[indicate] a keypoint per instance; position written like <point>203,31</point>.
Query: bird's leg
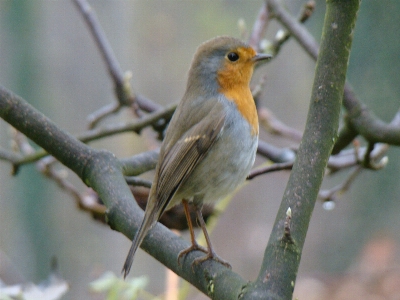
<point>210,253</point>
<point>195,245</point>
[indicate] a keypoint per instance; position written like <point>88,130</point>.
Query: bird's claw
<point>214,257</point>
<point>210,255</point>
<point>193,247</point>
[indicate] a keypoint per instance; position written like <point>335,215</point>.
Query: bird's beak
<point>259,57</point>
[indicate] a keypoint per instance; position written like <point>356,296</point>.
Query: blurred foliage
<point>117,288</point>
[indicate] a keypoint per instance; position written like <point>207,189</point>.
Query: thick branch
<point>282,256</point>
<point>103,172</point>
<point>45,133</point>
<point>97,133</point>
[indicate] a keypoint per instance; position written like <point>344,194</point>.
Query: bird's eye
<point>232,56</point>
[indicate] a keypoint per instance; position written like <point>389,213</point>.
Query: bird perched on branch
<point>211,141</point>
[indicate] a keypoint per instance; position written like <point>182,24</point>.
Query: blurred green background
<point>48,57</point>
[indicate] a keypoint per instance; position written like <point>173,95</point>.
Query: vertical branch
<point>283,254</point>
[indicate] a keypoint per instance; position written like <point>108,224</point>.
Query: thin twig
<point>259,27</point>
<point>294,27</point>
<point>267,119</point>
<point>109,130</point>
<point>137,181</point>
<point>271,168</point>
<point>20,145</point>
<point>332,194</point>
<point>101,41</point>
<point>284,158</point>
<point>367,157</point>
<point>351,157</point>
<point>122,87</point>
<point>275,126</point>
<point>47,167</point>
<point>95,117</point>
<point>373,159</point>
<point>283,35</point>
<point>371,162</point>
<point>275,154</point>
<point>10,156</point>
<point>21,142</point>
<point>153,119</point>
<point>146,104</point>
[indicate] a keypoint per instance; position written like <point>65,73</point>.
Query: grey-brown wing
<point>181,159</point>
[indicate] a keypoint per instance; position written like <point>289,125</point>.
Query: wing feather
<point>184,156</point>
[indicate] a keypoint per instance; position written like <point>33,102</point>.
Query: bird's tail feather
<point>149,220</point>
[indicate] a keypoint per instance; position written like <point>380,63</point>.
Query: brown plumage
<point>211,141</point>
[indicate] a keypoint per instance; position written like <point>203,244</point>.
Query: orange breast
<point>234,79</point>
<point>246,106</point>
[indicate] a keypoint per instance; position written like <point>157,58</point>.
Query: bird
<point>210,144</point>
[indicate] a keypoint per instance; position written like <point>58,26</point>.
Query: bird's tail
<point>150,219</point>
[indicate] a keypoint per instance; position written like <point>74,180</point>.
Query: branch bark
<point>102,171</point>
<point>282,256</point>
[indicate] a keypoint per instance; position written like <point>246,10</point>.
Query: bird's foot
<point>193,247</point>
<point>209,255</point>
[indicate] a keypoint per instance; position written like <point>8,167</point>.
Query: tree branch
<point>104,173</point>
<point>362,120</point>
<point>273,125</point>
<point>271,168</point>
<point>140,163</point>
<point>282,256</point>
<point>367,124</point>
<point>130,126</point>
<point>296,29</point>
<point>122,87</point>
<point>282,36</point>
<point>158,120</point>
<point>331,195</point>
<point>121,81</point>
<point>259,27</point>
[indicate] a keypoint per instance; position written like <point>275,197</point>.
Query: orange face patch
<point>234,79</point>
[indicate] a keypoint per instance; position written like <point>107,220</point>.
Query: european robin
<point>211,141</point>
